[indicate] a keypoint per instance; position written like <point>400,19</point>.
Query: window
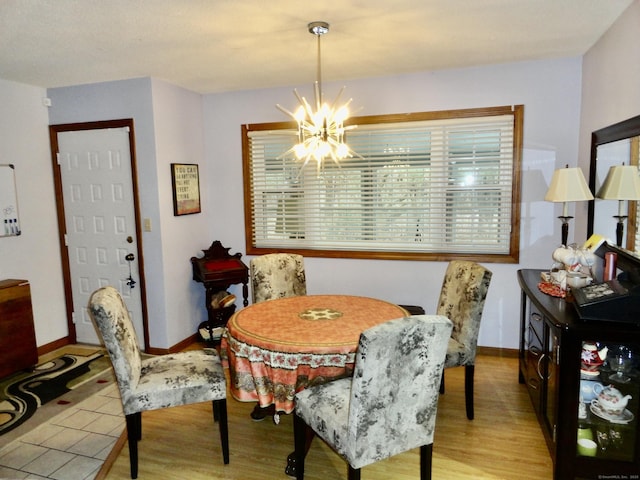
<point>429,186</point>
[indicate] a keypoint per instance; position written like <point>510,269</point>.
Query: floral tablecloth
<point>276,348</point>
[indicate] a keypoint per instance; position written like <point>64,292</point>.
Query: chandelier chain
<point>319,70</point>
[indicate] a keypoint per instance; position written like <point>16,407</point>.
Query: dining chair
<point>374,415</point>
<point>156,381</point>
<point>277,275</point>
<point>462,297</point>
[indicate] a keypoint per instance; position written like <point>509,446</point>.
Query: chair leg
<point>220,412</point>
<point>300,441</point>
<point>469,371</point>
<point>216,413</point>
<point>426,461</point>
<point>354,473</point>
<point>138,426</point>
<point>442,383</point>
<point>134,433</point>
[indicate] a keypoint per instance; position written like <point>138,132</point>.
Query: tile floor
<point>72,445</point>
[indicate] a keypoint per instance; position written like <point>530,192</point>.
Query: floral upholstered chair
<point>374,415</point>
<point>464,290</point>
<point>277,275</point>
<point>157,381</point>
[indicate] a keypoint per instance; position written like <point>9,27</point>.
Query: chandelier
<point>320,131</point>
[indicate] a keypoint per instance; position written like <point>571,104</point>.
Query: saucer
<point>625,417</point>
<point>589,373</point>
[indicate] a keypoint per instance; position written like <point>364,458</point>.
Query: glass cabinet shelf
<point>608,399</point>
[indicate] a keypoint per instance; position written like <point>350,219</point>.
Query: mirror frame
<point>618,131</point>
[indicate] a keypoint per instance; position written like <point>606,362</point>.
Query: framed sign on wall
<point>186,188</point>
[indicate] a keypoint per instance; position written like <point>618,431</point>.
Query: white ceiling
<point>222,45</point>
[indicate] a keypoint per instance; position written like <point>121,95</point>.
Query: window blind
<point>424,186</point>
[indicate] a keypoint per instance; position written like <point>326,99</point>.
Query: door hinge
<point>58,158</point>
<point>73,318</point>
<point>66,240</point>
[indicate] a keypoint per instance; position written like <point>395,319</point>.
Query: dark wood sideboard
<point>18,349</point>
<point>551,341</point>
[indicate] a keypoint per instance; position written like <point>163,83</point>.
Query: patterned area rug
<point>23,393</point>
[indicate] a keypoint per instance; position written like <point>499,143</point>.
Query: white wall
<point>610,83</point>
<point>35,254</point>
<point>550,91</point>
<point>179,139</point>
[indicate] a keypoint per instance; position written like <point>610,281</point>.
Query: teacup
<point>585,432</point>
<point>587,447</point>
<point>578,280</point>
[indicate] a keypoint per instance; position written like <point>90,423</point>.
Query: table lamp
<point>622,184</point>
<point>567,185</point>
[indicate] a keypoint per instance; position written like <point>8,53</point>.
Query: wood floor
<point>503,442</point>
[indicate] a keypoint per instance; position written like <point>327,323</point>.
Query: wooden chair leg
<point>354,473</point>
<point>426,461</point>
<point>299,440</point>
<point>216,411</point>
<point>220,412</point>
<point>442,383</point>
<point>469,371</point>
<point>134,433</point>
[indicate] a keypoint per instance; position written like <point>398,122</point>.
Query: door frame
<point>54,130</point>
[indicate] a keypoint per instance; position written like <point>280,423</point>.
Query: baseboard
<point>498,352</point>
<point>50,347</point>
<point>178,347</point>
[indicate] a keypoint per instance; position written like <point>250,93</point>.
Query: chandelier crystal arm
<point>284,110</point>
<point>334,105</point>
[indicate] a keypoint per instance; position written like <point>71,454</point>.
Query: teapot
<point>590,389</point>
<point>611,401</point>
<point>592,358</point>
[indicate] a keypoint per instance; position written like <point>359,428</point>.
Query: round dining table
<point>276,348</point>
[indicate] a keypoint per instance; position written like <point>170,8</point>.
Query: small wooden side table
<point>217,270</point>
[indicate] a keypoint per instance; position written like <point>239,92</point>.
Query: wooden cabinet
<point>551,343</point>
<point>18,349</point>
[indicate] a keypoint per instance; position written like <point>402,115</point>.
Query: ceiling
<point>210,46</point>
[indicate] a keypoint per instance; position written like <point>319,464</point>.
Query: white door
<point>97,185</point>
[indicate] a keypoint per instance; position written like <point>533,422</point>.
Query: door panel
<point>97,187</point>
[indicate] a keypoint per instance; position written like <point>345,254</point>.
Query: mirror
<point>613,145</point>
<point>8,202</point>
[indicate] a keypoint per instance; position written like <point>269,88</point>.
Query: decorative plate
<point>625,417</point>
<point>552,289</point>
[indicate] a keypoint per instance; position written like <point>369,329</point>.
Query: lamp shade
<point>622,183</point>
<point>568,185</point>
